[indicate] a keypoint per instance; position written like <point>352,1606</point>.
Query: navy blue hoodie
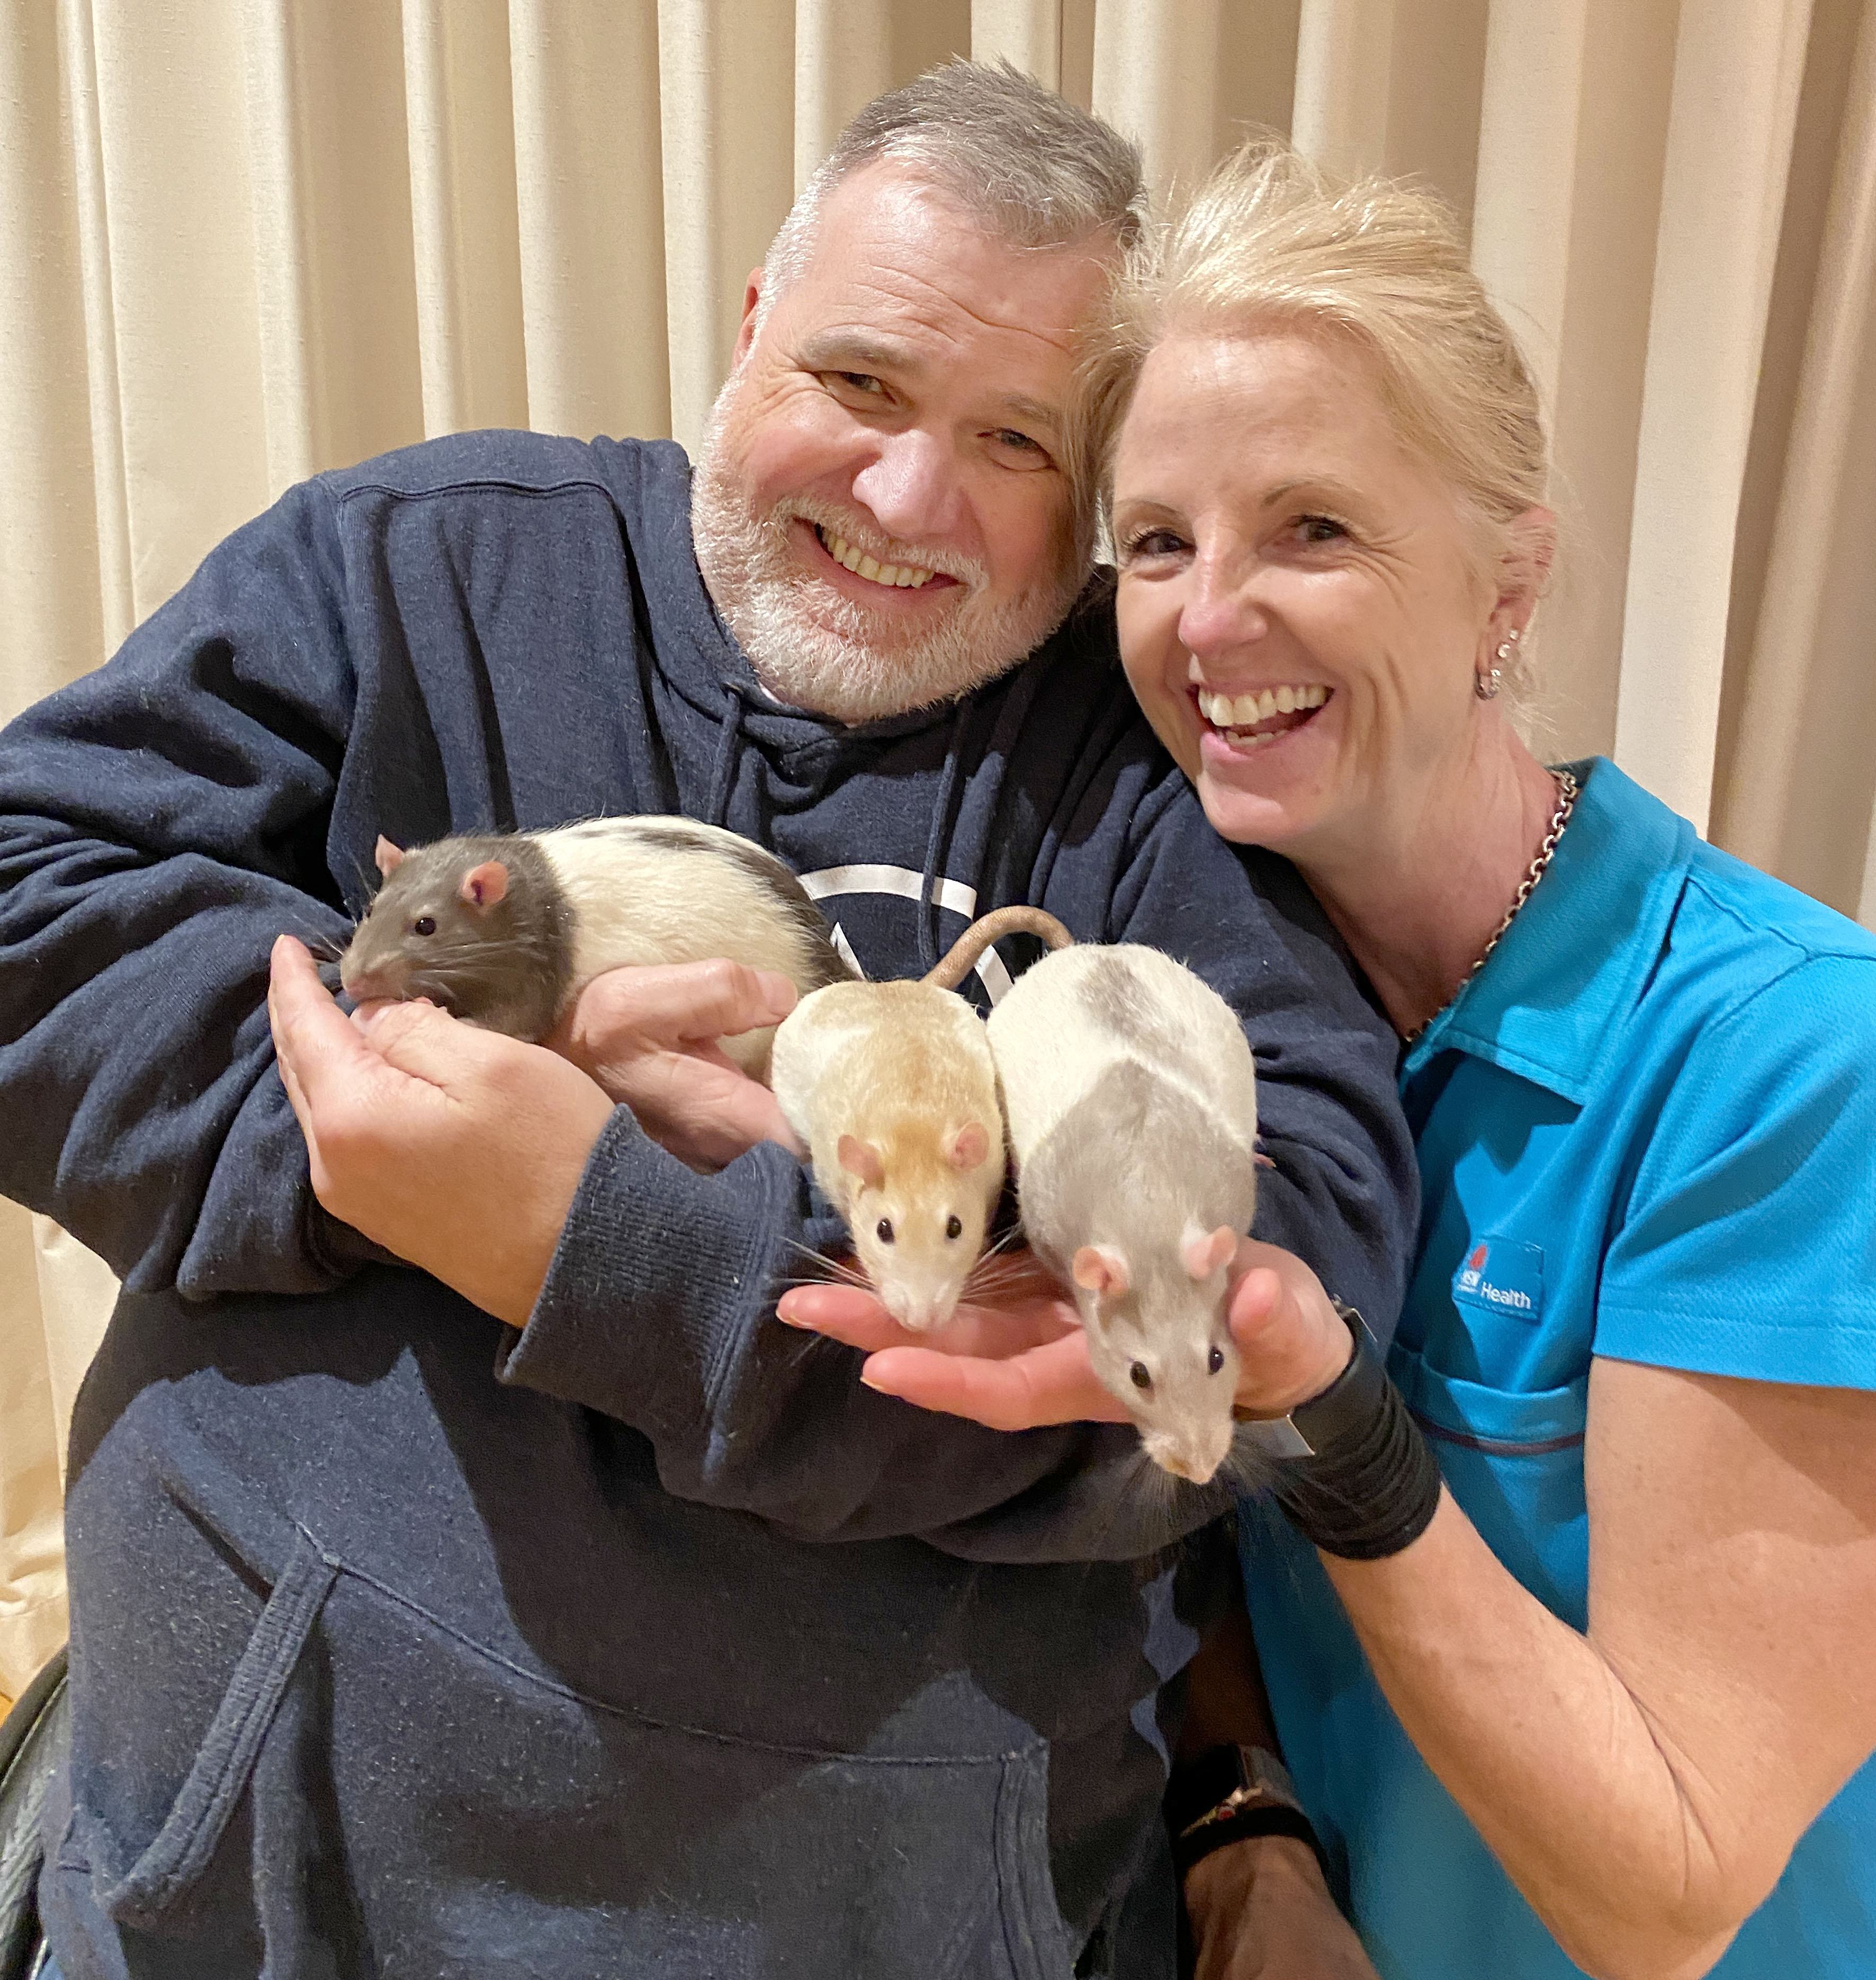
<point>645,1639</point>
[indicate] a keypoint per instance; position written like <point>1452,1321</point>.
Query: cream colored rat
<point>892,1088</point>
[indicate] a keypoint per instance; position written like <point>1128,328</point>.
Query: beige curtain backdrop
<point>243,241</point>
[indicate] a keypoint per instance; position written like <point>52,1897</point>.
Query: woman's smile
<point>1246,719</point>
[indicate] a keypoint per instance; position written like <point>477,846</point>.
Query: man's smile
<point>849,555</point>
<point>860,575</point>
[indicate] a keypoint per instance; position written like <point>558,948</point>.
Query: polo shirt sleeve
<point>1748,1248</point>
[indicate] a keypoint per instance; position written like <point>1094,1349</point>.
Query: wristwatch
<point>1230,1794</point>
<point>1348,1405</point>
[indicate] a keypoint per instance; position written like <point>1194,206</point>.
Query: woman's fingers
<point>846,1314</point>
<point>853,1314</point>
<point>1051,1384</point>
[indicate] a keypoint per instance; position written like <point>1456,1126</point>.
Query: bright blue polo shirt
<point>1646,1130</point>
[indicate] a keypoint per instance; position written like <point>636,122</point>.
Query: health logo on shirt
<point>1504,1274</point>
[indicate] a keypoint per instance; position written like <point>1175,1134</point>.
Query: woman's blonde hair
<point>1269,242</point>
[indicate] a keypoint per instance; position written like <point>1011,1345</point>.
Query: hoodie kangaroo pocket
<point>506,1825</point>
<point>161,1879</point>
<point>377,1790</point>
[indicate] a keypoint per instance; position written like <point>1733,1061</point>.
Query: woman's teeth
<point>1243,711</point>
<point>905,576</point>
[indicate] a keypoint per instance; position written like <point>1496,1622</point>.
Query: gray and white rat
<point>893,1090</point>
<point>505,930</point>
<point>1131,1099</point>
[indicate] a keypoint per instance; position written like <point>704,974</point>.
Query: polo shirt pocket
<point>1513,1460</point>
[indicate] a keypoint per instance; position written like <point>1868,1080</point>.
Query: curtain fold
<point>245,241</point>
<point>1738,66</point>
<point>588,160</point>
<point>1796,691</point>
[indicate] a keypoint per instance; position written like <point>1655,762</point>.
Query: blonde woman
<point>1568,1630</point>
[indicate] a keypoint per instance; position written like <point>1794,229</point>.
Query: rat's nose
<point>1186,1461</point>
<point>363,985</point>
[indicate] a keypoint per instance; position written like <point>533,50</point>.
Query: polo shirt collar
<point>1571,966</point>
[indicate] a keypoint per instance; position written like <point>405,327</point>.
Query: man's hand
<point>1260,1911</point>
<point>648,1035</point>
<point>458,1149</point>
<point>1012,1356</point>
<point>1016,1363</point>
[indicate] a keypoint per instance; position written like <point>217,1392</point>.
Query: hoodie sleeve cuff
<point>660,1275</point>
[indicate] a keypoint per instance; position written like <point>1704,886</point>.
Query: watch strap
<point>1231,1794</point>
<point>1245,1826</point>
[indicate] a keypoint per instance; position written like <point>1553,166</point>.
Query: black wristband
<point>1369,1487</point>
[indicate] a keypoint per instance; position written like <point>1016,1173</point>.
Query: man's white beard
<point>812,646</point>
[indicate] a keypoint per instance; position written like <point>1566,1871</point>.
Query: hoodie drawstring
<point>723,771</point>
<point>936,844</point>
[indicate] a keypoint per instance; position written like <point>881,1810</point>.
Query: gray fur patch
<point>1128,1164</point>
<point>507,967</point>
<point>1117,999</point>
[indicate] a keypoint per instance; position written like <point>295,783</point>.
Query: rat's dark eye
<point>1215,1359</point>
<point>954,1226</point>
<point>1141,1379</point>
<point>883,1230</point>
<point>424,924</point>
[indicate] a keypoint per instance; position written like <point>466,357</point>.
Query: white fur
<point>1050,1048</point>
<point>637,898</point>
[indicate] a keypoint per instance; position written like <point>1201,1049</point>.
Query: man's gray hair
<point>1025,162</point>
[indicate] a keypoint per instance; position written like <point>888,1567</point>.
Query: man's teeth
<point>1226,711</point>
<point>906,575</point>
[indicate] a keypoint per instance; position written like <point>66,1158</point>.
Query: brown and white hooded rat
<point>504,930</point>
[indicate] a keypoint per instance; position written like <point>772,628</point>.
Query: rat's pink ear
<point>1202,1253</point>
<point>861,1158</point>
<point>484,885</point>
<point>969,1145</point>
<point>1100,1268</point>
<point>389,857</point>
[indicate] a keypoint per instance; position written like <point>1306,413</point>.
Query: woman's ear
<point>1524,564</point>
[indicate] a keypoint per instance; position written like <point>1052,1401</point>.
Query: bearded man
<point>550,1608</point>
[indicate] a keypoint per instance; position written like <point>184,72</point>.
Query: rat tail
<point>961,957</point>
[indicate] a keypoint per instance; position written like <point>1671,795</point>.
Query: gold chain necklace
<point>1567,788</point>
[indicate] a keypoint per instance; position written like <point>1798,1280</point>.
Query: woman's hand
<point>1012,1356</point>
<point>1260,1911</point>
<point>648,1036</point>
<point>1292,1342</point>
<point>1017,1357</point>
